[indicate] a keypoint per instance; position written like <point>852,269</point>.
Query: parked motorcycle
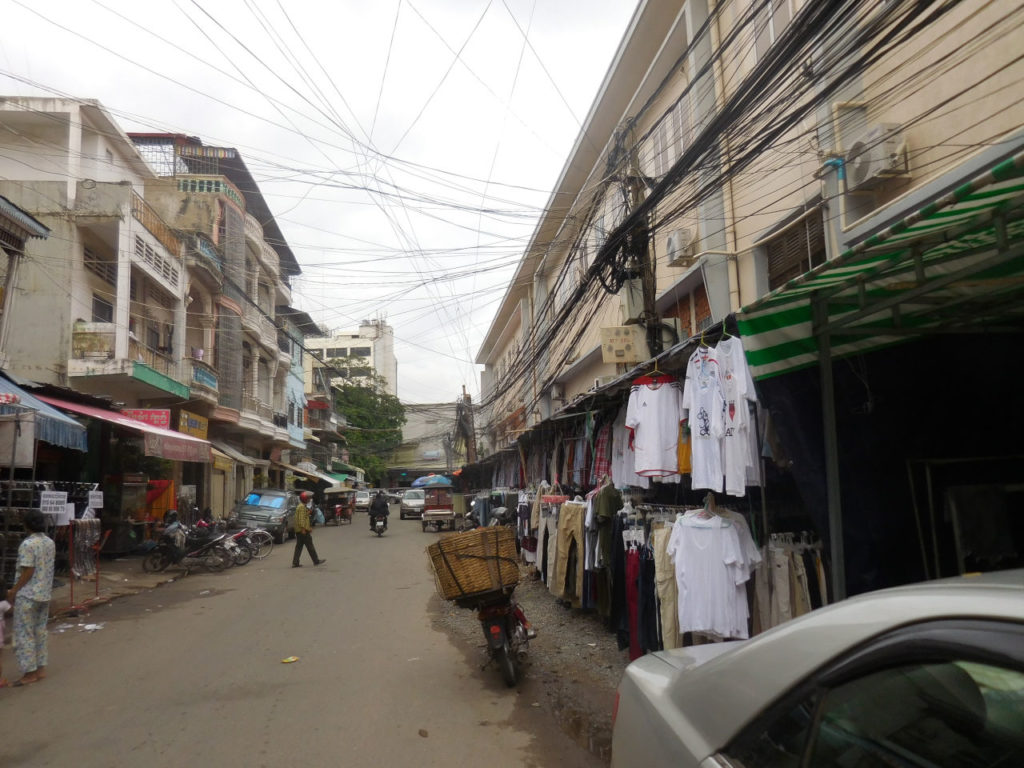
<point>177,548</point>
<point>507,633</point>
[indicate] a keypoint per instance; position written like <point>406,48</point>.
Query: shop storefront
<point>143,467</point>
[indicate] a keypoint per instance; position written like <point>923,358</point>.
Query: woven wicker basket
<point>475,562</point>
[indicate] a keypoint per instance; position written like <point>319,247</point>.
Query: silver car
<point>925,675</point>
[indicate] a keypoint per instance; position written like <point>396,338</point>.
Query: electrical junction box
<point>624,344</point>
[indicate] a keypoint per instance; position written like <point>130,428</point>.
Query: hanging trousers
<point>632,602</point>
<point>667,588</point>
<point>570,532</point>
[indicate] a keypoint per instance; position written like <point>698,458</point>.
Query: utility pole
<point>468,426</point>
<point>642,258</point>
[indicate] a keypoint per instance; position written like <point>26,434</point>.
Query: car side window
<point>780,743</point>
<point>953,713</point>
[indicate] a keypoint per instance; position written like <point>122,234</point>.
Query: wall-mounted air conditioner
<point>681,247</point>
<point>557,392</point>
<point>631,300</point>
<point>603,381</point>
<point>876,157</point>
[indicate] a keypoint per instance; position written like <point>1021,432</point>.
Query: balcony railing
<point>158,361</point>
<point>92,341</point>
<point>264,411</point>
<point>151,220</point>
<point>249,403</point>
<point>253,230</point>
<point>203,375</point>
<point>281,420</point>
<point>205,254</point>
<point>270,259</point>
<point>212,185</point>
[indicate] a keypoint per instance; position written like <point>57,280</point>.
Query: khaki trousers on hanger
<point>570,531</point>
<point>667,588</point>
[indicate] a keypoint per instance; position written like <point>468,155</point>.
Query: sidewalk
<point>117,577</point>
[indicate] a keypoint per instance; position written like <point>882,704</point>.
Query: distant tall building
<point>372,346</point>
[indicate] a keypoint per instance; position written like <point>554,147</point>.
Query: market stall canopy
<point>162,443</point>
<point>954,265</point>
<point>233,454</point>
<point>318,476</point>
<point>431,481</point>
<point>51,425</point>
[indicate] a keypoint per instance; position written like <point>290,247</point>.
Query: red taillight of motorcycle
<point>495,630</point>
<point>615,709</point>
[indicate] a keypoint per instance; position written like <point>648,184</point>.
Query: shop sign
<point>204,377</point>
<point>53,502</point>
<point>193,424</point>
<point>222,463</point>
<point>157,417</point>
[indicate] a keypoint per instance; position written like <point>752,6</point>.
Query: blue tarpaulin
<point>51,425</point>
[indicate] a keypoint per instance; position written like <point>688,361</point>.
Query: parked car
<point>930,674</point>
<point>412,503</point>
<point>270,509</point>
<point>362,501</point>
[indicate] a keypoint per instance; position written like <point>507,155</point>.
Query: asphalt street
<point>191,673</point>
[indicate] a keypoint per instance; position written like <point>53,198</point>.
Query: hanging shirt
<point>738,392</point>
<point>653,414</point>
<point>707,556</point>
<point>623,473</point>
<point>705,405</point>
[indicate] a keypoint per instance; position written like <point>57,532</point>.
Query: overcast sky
<point>404,146</point>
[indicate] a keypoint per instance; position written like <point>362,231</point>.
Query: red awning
<point>162,443</point>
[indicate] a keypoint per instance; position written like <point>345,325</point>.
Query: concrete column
<point>124,277</point>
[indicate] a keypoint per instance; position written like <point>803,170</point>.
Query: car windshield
<point>413,495</point>
<point>274,501</point>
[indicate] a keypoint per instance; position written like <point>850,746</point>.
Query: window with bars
<point>102,310</point>
<point>797,250</point>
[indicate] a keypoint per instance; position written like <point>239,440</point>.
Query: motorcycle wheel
<point>217,559</point>
<point>242,555</point>
<point>508,666</point>
<point>155,561</point>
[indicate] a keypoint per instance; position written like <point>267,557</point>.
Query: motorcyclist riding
<point>379,507</point>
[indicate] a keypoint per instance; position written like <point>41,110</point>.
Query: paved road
<point>191,673</point>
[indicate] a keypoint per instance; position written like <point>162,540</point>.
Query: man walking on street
<point>304,531</point>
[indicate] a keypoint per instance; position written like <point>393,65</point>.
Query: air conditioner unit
<point>603,381</point>
<point>631,301</point>
<point>557,392</point>
<point>876,157</point>
<point>681,247</point>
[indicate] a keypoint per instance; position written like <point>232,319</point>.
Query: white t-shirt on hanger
<point>705,405</point>
<point>654,413</point>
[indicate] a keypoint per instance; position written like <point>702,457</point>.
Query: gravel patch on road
<point>574,663</point>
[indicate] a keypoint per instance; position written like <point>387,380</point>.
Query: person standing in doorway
<point>304,531</point>
<point>31,598</point>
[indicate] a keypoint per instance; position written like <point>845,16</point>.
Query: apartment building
<point>158,286</point>
<point>345,352</point>
<point>830,182</point>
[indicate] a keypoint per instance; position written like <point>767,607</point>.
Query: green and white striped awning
<point>956,265</point>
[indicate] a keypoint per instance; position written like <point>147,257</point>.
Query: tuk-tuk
<point>438,508</point>
<point>339,504</point>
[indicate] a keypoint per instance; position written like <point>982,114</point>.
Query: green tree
<point>375,420</point>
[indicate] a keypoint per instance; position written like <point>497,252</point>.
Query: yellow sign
<point>193,424</point>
